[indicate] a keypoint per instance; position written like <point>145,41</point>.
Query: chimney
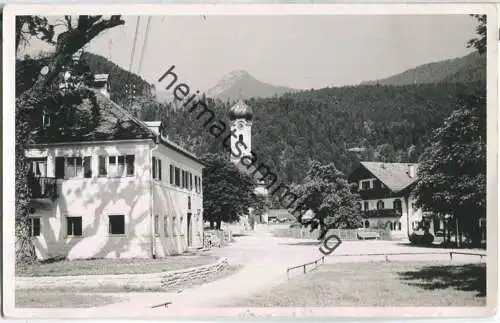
<point>101,83</point>
<point>411,171</point>
<point>154,126</point>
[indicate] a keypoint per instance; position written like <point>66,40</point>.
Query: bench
<point>363,235</point>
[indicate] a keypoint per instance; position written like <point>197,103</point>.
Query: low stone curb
<point>163,280</point>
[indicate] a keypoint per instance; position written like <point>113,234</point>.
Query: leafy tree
<point>479,42</point>
<point>38,94</point>
<point>385,153</point>
<point>260,205</point>
<point>33,26</point>
<point>327,193</point>
<point>227,192</point>
<point>452,170</point>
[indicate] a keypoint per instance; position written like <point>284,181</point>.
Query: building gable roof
<point>108,122</point>
<point>168,143</point>
<point>112,122</point>
<point>394,175</point>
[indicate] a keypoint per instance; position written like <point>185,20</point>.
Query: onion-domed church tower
<point>241,116</point>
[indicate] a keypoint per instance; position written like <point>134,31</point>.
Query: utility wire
<point>141,58</point>
<point>134,44</point>
<point>110,46</point>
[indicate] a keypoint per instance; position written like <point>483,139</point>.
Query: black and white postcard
<point>250,160</point>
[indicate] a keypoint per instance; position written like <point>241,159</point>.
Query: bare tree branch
<point>68,22</point>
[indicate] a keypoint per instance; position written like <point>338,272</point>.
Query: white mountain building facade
<point>386,200</point>
<point>116,189</point>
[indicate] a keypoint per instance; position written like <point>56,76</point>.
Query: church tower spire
<point>241,116</point>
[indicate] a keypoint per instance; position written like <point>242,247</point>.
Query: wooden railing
<point>343,234</point>
<point>381,213</point>
<point>386,255</point>
<point>304,266</point>
<point>166,304</point>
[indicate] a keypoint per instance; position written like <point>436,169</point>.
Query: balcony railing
<point>43,187</point>
<point>382,213</point>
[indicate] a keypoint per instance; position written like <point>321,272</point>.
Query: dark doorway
<point>189,234</point>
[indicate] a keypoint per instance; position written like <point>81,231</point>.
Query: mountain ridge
<point>470,68</point>
<point>240,84</point>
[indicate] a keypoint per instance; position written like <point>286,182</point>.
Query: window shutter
<point>59,167</point>
<point>154,168</point>
<point>87,167</point>
<point>130,159</point>
<point>159,169</point>
<point>102,166</point>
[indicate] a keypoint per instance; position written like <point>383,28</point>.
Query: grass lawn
<point>111,266</point>
<point>379,284</point>
<point>36,298</point>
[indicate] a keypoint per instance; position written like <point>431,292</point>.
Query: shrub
<point>424,238</point>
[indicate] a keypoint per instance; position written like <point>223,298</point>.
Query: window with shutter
<point>116,224</point>
<point>35,228</point>
<point>74,226</point>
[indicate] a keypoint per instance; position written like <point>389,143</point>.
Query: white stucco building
<point>117,189</point>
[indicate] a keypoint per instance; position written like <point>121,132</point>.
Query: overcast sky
<point>295,51</point>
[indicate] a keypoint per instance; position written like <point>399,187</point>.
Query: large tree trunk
<point>25,249</point>
<point>444,235</point>
<point>461,231</point>
<point>323,229</point>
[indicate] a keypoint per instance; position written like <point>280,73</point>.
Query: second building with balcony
<point>386,200</point>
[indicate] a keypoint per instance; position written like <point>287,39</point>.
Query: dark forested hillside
<point>392,123</point>
<point>468,69</point>
<point>125,86</point>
